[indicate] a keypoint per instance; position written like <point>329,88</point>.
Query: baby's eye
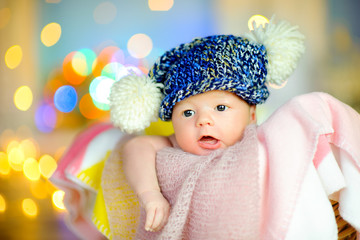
<point>221,108</point>
<point>188,113</point>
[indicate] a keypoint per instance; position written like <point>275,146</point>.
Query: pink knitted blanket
<point>211,197</point>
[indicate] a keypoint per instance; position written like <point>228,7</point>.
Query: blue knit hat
<point>241,65</point>
<point>221,62</point>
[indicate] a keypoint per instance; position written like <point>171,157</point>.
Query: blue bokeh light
<point>65,98</point>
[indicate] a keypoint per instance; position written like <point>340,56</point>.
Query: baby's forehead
<point>210,96</point>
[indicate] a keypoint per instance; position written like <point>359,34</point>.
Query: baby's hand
<point>157,210</point>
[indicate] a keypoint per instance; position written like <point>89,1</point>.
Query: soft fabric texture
<point>210,195</point>
<point>130,94</point>
<point>291,136</point>
<point>297,142</point>
<point>78,174</point>
<point>122,206</point>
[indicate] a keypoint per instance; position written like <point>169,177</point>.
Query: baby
<point>209,89</point>
<point>202,123</point>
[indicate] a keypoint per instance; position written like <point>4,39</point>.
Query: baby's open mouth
<point>209,142</point>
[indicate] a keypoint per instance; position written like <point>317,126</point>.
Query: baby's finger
<point>159,216</point>
<point>165,218</point>
<point>150,214</point>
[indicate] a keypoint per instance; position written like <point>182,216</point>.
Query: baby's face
<point>211,120</point>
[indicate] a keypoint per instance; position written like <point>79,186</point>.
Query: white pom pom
<point>284,45</point>
<point>134,102</point>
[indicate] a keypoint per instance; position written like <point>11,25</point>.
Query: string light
<point>58,199</point>
<point>47,165</point>
<point>65,98</point>
<point>106,56</point>
<point>2,204</point>
<point>160,5</point>
<point>31,169</point>
<point>257,20</point>
<point>29,207</point>
<point>13,56</point>
<point>4,164</point>
<point>50,34</point>
<point>71,75</point>
<point>99,91</point>
<point>139,45</point>
<point>23,98</point>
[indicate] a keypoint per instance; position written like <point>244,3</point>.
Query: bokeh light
<point>144,70</point>
<point>69,72</point>
<point>65,98</point>
<point>23,98</point>
<point>82,61</point>
<point>132,61</point>
<point>16,156</point>
<point>257,20</point>
<point>107,55</point>
<point>118,57</point>
<point>45,118</point>
<point>114,71</point>
<point>16,167</point>
<point>275,86</point>
<point>105,13</point>
<point>29,148</point>
<point>100,90</point>
<point>50,34</point>
<point>11,145</point>
<point>29,207</point>
<point>160,5</point>
<point>4,164</point>
<point>31,169</point>
<point>6,137</point>
<point>38,189</point>
<point>5,15</point>
<point>88,109</point>
<point>13,56</point>
<point>47,165</point>
<point>58,199</point>
<point>2,204</point>
<point>139,45</point>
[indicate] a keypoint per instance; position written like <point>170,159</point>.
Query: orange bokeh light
<point>51,87</point>
<point>88,109</point>
<point>103,59</point>
<point>69,73</point>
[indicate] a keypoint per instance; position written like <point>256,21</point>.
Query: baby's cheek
<point>234,135</point>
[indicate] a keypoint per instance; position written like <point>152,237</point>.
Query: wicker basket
<point>345,230</point>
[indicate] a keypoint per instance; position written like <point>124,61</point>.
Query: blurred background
<point>58,59</point>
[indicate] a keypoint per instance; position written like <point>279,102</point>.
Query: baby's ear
<point>253,114</point>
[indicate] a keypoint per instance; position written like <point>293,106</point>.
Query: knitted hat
<point>241,65</point>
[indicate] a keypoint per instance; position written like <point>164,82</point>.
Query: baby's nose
<point>204,119</point>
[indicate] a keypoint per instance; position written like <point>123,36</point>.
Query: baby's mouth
<point>209,142</point>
